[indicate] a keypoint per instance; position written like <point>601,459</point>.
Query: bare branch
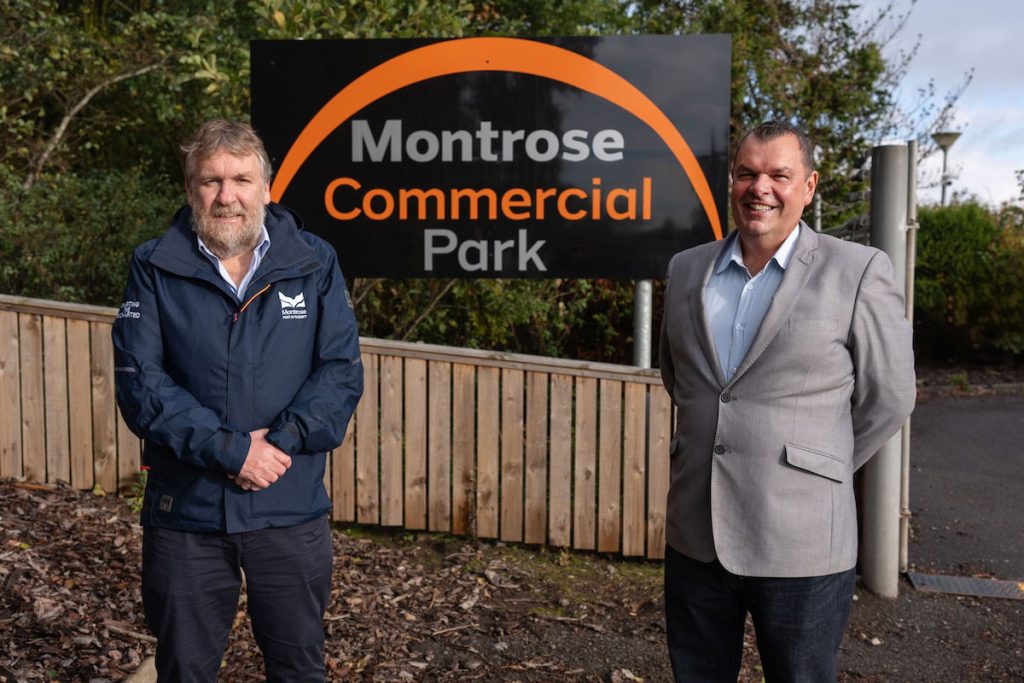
<point>428,310</point>
<point>58,134</point>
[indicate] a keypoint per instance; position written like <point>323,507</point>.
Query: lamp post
<point>945,140</point>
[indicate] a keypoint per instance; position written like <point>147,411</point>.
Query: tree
<point>969,264</point>
<point>815,63</point>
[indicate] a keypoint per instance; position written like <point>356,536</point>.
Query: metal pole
<point>880,558</point>
<point>817,212</point>
<point>642,316</point>
<point>945,178</point>
<point>908,290</point>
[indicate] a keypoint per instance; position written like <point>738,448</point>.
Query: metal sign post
<point>880,553</point>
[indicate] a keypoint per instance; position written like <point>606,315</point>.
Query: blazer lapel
<point>792,284</point>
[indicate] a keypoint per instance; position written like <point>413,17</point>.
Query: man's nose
<point>761,184</point>
<point>226,194</point>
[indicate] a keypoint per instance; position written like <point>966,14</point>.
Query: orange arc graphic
<point>493,54</point>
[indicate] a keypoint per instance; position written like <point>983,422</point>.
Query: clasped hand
<point>264,464</point>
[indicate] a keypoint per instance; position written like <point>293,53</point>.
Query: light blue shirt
<point>735,303</point>
<point>257,257</point>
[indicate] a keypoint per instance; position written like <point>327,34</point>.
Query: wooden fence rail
<point>506,446</point>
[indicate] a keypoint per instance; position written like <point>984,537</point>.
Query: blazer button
<point>726,397</point>
<point>719,449</point>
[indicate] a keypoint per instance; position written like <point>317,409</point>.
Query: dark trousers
<point>190,588</point>
<point>799,622</point>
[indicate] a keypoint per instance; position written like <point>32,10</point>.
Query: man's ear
<point>266,193</point>
<point>812,185</point>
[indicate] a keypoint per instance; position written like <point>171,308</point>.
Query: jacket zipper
<point>246,305</point>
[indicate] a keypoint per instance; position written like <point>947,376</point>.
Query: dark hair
<point>232,136</point>
<point>770,130</point>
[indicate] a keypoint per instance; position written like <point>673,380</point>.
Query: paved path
<point>967,485</point>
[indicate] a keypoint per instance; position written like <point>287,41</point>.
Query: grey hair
<point>234,137</point>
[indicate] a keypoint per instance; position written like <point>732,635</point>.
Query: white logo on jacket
<point>130,309</point>
<point>293,307</point>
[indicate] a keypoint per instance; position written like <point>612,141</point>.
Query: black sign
<point>500,157</point>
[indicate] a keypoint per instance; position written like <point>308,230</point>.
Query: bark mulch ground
<point>416,607</point>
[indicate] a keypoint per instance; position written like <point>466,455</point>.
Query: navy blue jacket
<point>197,369</point>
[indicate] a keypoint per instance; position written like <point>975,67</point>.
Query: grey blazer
<point>762,466</point>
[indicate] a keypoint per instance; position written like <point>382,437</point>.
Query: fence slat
<point>609,466</point>
<point>536,457</point>
<point>391,441</point>
<point>658,439</point>
<point>463,447</point>
<point>10,397</point>
<point>79,404</point>
<point>415,443</point>
<point>560,465</point>
<point>343,476</point>
<point>512,455</point>
<point>104,425</point>
<point>634,470</point>
<point>367,447</point>
<point>584,523</point>
<point>439,448</point>
<point>33,421</point>
<point>55,379</point>
<point>488,414</point>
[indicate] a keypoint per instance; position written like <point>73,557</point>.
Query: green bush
<point>69,238</point>
<point>970,266</point>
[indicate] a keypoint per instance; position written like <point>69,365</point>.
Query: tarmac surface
<point>967,485</point>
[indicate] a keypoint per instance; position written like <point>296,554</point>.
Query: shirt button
<point>726,397</point>
<point>719,449</point>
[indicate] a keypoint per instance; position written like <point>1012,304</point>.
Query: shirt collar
<point>735,253</point>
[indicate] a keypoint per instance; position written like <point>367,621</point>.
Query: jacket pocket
<point>816,462</point>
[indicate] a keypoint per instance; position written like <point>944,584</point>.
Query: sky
<point>985,35</point>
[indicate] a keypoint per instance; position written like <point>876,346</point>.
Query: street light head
<point>945,139</point>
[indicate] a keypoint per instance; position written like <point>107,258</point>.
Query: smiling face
<point>771,185</point>
<point>228,196</point>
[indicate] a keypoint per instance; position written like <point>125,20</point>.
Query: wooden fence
<point>506,446</point>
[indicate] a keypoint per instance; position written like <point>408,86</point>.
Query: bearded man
<point>237,361</point>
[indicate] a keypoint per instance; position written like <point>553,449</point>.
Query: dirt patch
<point>417,607</point>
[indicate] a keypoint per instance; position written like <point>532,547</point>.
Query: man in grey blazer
<point>789,359</point>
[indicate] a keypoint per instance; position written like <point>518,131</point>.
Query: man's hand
<point>264,464</point>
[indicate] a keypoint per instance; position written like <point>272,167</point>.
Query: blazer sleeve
<point>154,406</point>
<point>881,343</point>
<point>317,417</point>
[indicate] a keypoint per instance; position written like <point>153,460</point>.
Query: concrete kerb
<point>146,673</point>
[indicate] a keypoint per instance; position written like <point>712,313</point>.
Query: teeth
<point>759,207</point>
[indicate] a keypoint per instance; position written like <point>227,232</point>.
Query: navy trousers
<point>799,622</point>
<point>190,588</point>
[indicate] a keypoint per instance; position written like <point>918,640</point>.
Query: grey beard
<point>226,242</point>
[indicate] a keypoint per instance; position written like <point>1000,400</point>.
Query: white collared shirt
<point>257,257</point>
<point>735,303</point>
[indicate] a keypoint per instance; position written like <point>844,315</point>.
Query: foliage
<point>584,319</point>
<point>818,64</point>
<point>96,96</point>
<point>65,237</point>
<point>970,264</point>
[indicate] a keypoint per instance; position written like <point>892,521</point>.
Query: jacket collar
<point>178,252</point>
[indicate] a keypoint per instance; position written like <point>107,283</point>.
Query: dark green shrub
<point>969,297</point>
<point>69,238</point>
